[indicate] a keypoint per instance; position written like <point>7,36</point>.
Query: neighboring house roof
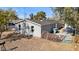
<point>46,22</point>
<point>43,22</point>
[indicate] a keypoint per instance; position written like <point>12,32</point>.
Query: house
<point>36,27</point>
<point>11,24</point>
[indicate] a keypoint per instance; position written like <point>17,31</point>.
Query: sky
<point>21,11</point>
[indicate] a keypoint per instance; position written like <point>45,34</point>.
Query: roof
<point>45,22</point>
<point>17,21</point>
<point>41,22</point>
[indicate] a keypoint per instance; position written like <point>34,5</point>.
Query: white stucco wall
<point>17,28</point>
<point>37,28</point>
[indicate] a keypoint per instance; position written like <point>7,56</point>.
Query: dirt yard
<point>38,44</point>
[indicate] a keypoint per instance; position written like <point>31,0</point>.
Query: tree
<point>2,22</point>
<point>5,17</point>
<point>59,11</point>
<point>69,15</point>
<point>40,16</point>
<point>35,17</point>
<point>31,16</point>
<point>10,15</point>
<point>76,18</point>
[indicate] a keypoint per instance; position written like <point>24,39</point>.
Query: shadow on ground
<point>12,48</point>
<point>14,36</point>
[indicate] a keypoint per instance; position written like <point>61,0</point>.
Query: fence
<point>53,37</point>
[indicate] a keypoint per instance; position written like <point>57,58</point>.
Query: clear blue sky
<point>28,10</point>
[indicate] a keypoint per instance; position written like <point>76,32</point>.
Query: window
<point>32,28</point>
<point>19,27</point>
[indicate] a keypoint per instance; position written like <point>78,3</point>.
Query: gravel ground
<point>38,44</point>
<point>35,44</point>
